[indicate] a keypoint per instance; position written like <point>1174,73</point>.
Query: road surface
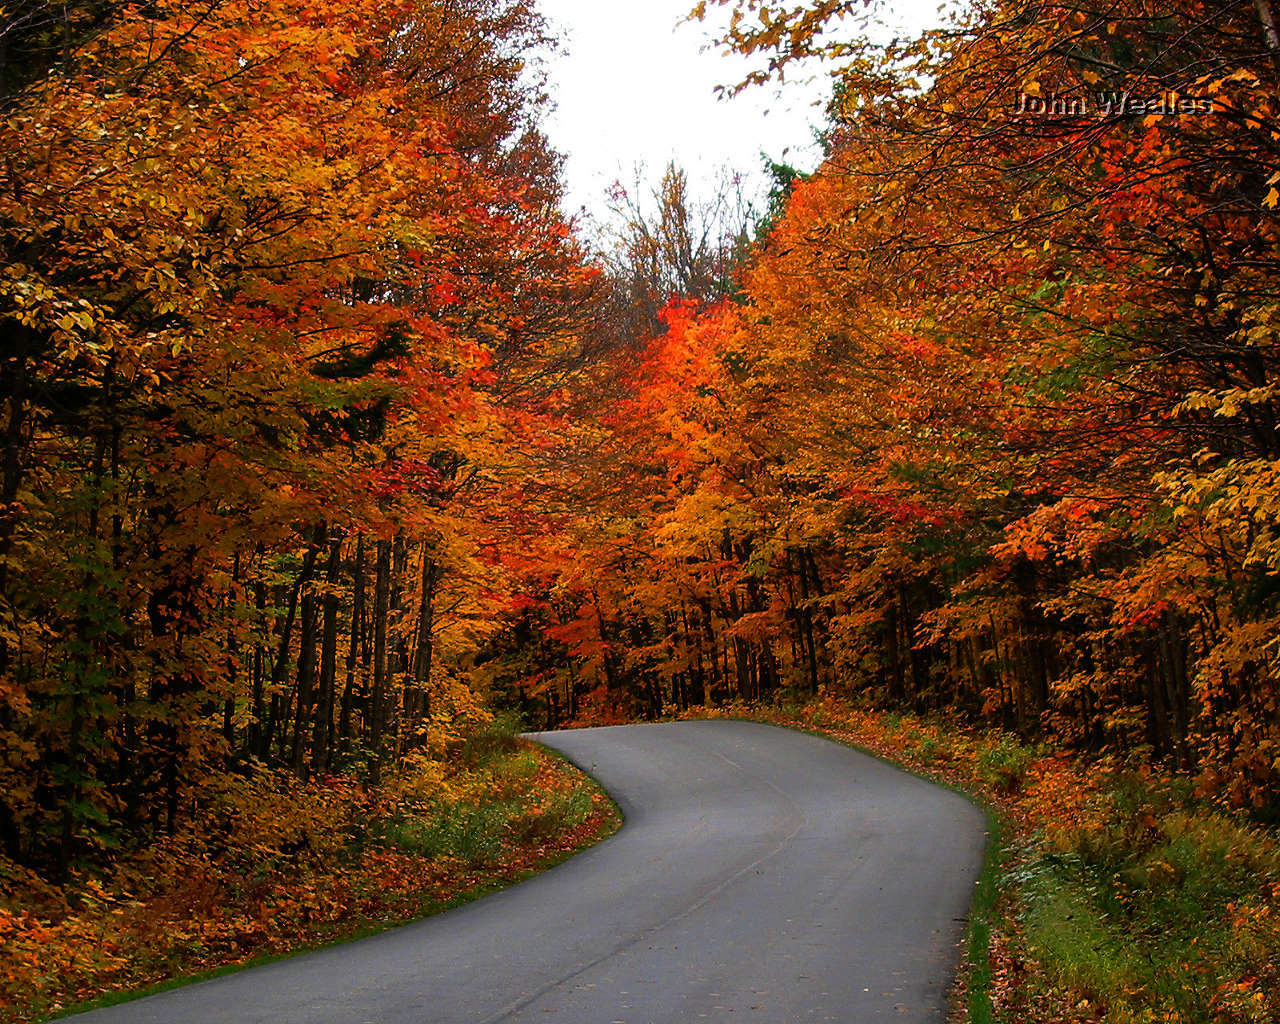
<point>762,875</point>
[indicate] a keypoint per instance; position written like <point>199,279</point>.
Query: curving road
<point>762,875</point>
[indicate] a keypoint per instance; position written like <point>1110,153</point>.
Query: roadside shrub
<point>551,815</point>
<point>514,776</point>
<point>497,737</point>
<point>1003,766</point>
<point>471,833</point>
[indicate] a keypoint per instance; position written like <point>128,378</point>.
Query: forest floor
<point>278,866</point>
<point>1113,892</point>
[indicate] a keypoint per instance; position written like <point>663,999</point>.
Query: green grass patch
<point>469,833</point>
<point>1159,907</point>
<point>558,812</point>
<point>500,803</point>
<point>1072,936</point>
<point>982,914</point>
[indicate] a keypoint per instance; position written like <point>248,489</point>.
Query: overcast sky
<point>633,88</point>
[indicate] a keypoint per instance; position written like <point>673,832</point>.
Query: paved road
<point>762,875</point>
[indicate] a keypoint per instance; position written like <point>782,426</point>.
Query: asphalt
<point>761,875</point>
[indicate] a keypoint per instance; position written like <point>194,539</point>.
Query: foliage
<point>1122,895</point>
<point>278,281</point>
<point>275,864</point>
<point>988,424</point>
<point>318,430</point>
<point>284,289</point>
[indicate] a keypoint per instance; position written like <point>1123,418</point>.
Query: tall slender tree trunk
<point>322,722</point>
<point>14,376</point>
<point>254,742</point>
<point>306,675</point>
<point>381,602</point>
<point>233,658</point>
<point>424,648</point>
<point>278,708</point>
<point>357,618</point>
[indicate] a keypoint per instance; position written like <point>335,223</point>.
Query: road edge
<point>971,989</point>
<point>430,909</point>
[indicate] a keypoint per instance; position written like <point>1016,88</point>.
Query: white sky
<point>632,88</point>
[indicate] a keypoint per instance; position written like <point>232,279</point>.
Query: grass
<point>1109,893</point>
<point>1062,920</point>
<point>503,804</point>
<point>977,969</point>
<point>1156,906</point>
<point>493,811</point>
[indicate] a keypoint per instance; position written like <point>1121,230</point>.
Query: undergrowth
<point>1116,894</point>
<point>272,865</point>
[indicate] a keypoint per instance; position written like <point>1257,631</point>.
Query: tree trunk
<point>381,600</point>
<point>286,639</point>
<point>322,727</point>
<point>357,617</point>
<point>424,648</point>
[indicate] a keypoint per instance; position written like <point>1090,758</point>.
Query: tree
<point>991,426</point>
<point>275,274</point>
<point>673,243</point>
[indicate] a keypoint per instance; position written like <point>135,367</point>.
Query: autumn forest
<point>328,435</point>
